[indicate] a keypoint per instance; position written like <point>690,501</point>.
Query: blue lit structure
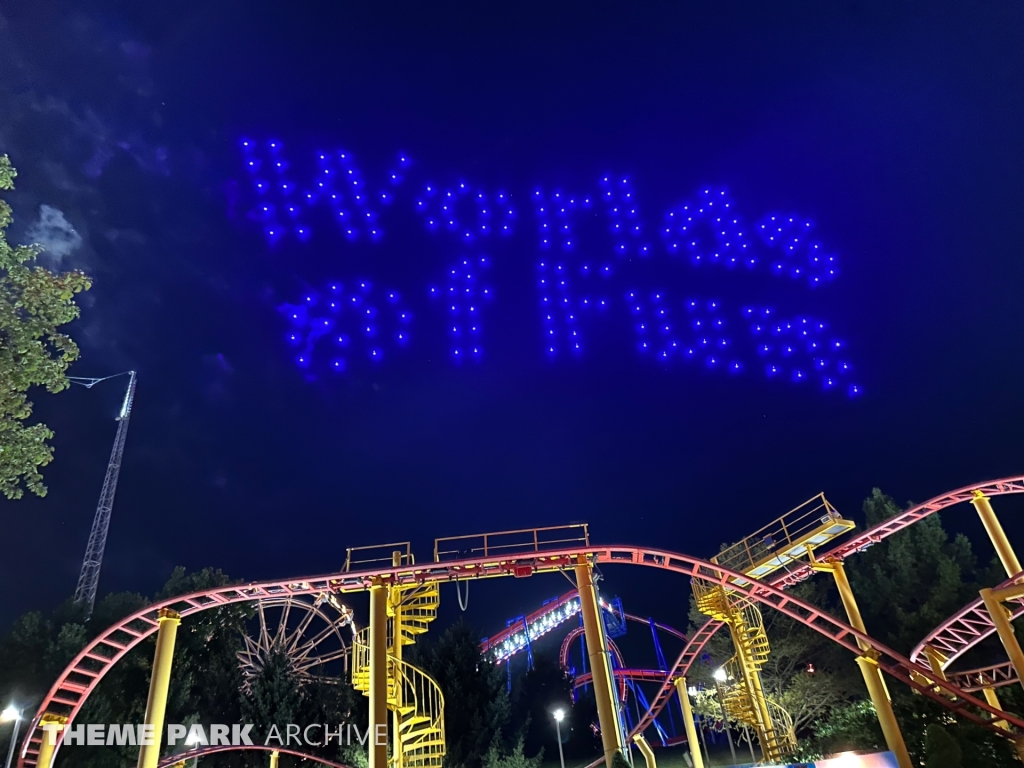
<point>591,250</point>
<point>526,629</point>
<point>522,631</point>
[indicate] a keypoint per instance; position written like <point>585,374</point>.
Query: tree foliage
<point>204,682</point>
<point>34,304</point>
<point>941,749</point>
<point>477,706</point>
<point>536,694</point>
<point>911,582</point>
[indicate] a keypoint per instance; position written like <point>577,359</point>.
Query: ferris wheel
<point>312,632</point>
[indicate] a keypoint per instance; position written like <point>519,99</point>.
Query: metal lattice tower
<point>88,579</point>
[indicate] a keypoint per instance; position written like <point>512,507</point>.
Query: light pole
<point>720,678</point>
<point>192,741</point>
<point>559,715</point>
<point>11,714</point>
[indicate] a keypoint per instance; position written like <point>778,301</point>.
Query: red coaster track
<point>84,673</point>
<point>198,752</point>
<point>958,633</point>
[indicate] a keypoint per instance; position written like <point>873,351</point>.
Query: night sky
<point>896,128</point>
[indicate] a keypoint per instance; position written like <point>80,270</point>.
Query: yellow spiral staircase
<point>743,696</point>
<point>414,698</point>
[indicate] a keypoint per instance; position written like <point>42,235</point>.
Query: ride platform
<point>785,540</point>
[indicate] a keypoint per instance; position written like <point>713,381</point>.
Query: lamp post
<point>720,677</point>
<point>192,741</point>
<point>559,715</point>
<point>7,715</point>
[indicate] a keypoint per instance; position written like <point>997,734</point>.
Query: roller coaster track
<point>489,643</point>
<point>80,678</point>
<point>570,638</point>
<point>967,627</point>
<point>181,757</point>
<point>650,675</point>
<point>996,676</point>
<point>493,642</point>
<point>959,633</point>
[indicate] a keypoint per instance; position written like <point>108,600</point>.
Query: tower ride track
<point>74,685</point>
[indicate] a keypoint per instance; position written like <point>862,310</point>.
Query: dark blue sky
<point>898,128</point>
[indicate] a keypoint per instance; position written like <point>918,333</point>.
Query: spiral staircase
<point>414,698</point>
<point>743,696</point>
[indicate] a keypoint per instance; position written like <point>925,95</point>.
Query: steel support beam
<point>52,725</point>
<point>378,674</point>
<point>691,727</point>
<point>645,750</point>
<point>600,662</point>
<point>1001,619</point>
<point>868,664</point>
<point>156,704</point>
<point>995,532</point>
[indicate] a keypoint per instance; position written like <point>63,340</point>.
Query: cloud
<point>54,233</point>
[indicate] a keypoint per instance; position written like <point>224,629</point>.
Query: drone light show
<point>595,256</point>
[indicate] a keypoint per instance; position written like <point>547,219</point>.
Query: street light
<point>559,715</point>
<point>191,741</point>
<point>6,716</point>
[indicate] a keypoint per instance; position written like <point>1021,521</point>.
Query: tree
<point>34,304</point>
<point>204,683</point>
<point>478,721</point>
<point>909,583</point>
<point>274,697</point>
<point>536,694</point>
<point>806,673</point>
<point>496,758</point>
<point>941,749</point>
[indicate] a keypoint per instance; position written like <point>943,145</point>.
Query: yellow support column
<point>600,665</point>
<point>645,750</point>
<point>937,661</point>
<point>995,532</point>
<point>869,668</point>
<point>273,758</point>
<point>883,709</point>
<point>395,600</point>
<point>378,675</point>
<point>1000,617</point>
<point>993,701</point>
<point>691,728</point>
<point>156,705</point>
<point>52,725</point>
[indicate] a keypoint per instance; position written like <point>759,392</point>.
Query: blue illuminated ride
<point>522,632</point>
